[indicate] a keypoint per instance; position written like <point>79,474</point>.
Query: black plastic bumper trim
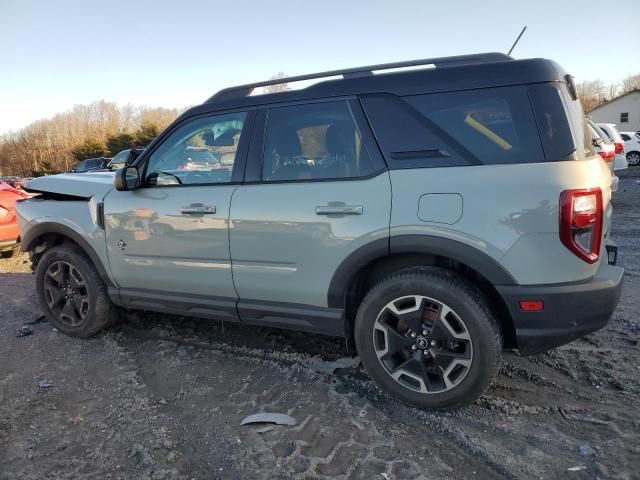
<point>570,310</point>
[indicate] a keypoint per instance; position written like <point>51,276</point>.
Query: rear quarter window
<point>495,124</point>
<point>483,126</point>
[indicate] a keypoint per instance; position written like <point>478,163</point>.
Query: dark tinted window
<point>624,117</point>
<point>625,137</point>
<point>313,141</point>
<point>408,139</point>
<point>552,121</point>
<point>495,124</point>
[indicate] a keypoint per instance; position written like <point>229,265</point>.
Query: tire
<point>450,315</point>
<point>633,158</point>
<point>65,271</point>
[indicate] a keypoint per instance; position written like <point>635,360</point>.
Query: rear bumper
<point>570,310</point>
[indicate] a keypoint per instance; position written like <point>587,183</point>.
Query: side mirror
<point>127,178</point>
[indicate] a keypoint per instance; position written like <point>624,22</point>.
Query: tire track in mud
<point>318,444</point>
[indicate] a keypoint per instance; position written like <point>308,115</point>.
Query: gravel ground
<point>162,397</point>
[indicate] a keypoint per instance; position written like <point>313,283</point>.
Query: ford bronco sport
<point>435,216</point>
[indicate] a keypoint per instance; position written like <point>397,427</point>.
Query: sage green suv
<point>434,216</point>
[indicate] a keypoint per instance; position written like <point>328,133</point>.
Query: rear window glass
<point>495,124</point>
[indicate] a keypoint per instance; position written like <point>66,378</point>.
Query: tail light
<point>608,156</point>
<point>581,222</point>
<point>619,148</point>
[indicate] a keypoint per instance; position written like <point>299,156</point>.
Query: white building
<point>624,111</point>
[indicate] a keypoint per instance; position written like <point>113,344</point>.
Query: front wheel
<point>633,158</point>
<point>428,338</point>
<point>71,293</point>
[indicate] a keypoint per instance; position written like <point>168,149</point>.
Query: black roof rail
<point>241,91</point>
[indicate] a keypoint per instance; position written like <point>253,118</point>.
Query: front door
<point>170,236</point>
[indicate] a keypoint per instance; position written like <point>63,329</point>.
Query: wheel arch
<point>369,264</point>
<point>51,234</point>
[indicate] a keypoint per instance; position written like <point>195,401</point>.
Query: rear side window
<point>495,124</point>
<point>553,124</point>
<point>625,137</point>
<point>313,142</point>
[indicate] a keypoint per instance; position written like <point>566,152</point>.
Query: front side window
<point>313,141</point>
<point>624,117</point>
<point>202,151</point>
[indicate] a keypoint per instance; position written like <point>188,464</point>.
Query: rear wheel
<point>72,294</point>
<point>428,338</point>
<point>633,158</point>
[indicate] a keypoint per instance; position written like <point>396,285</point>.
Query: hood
<point>83,185</point>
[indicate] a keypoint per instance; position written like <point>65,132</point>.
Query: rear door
<point>316,189</point>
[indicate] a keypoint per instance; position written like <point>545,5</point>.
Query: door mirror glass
<point>127,178</point>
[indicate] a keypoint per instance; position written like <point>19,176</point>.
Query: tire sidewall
<point>486,354</point>
<point>82,265</point>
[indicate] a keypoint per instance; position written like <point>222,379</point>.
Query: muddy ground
<point>162,397</point>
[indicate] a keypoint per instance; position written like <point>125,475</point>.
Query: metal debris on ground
<point>24,332</point>
<point>44,383</point>
<point>264,429</point>
<point>277,418</point>
<point>35,321</point>
<point>586,450</point>
<point>576,469</point>
<point>330,367</point>
<point>581,418</point>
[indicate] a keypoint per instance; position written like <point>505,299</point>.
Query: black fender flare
<point>427,244</point>
<point>30,240</point>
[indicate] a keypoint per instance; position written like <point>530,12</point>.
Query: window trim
<point>255,161</point>
<point>239,164</point>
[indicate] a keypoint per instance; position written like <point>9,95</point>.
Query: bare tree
<point>591,93</point>
<point>279,87</point>
<point>47,146</point>
<point>632,82</point>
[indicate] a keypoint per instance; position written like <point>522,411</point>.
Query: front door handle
<point>339,210</point>
<point>198,209</point>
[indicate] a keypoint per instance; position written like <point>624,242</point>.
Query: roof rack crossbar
<point>245,90</point>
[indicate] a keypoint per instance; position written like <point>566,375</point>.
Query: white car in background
<point>604,147</point>
<point>620,161</point>
<point>631,147</point>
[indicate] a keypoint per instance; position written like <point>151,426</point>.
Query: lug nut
<point>433,343</point>
<point>413,335</point>
<point>425,333</point>
<point>414,348</point>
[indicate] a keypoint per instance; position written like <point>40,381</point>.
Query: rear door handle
<point>339,210</point>
<point>198,209</point>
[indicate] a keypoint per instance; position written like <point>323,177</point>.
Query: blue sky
<point>54,54</point>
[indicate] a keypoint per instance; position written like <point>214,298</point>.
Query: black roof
<point>463,72</point>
